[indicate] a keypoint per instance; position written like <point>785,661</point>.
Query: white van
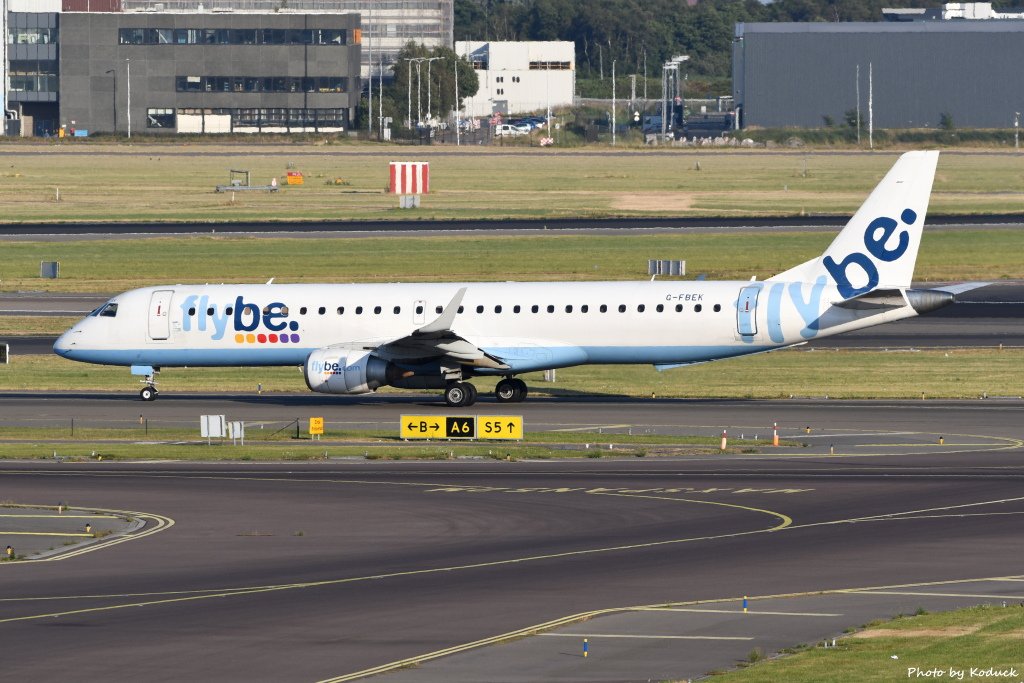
<point>509,129</point>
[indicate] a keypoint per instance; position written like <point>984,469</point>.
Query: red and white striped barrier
<point>410,177</point>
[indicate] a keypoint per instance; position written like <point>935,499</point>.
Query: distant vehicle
<point>536,121</point>
<point>355,338</point>
<point>511,129</point>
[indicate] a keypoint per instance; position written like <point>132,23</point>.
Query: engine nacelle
<point>343,371</point>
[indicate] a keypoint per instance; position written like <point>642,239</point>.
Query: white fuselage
<point>529,326</point>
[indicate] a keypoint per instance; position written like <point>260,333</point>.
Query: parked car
<point>511,129</point>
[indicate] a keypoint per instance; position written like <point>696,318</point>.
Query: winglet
<point>447,317</point>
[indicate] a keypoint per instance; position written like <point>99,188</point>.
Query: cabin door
<point>160,315</point>
<point>746,311</point>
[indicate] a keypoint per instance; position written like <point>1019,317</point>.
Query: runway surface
<point>308,571</point>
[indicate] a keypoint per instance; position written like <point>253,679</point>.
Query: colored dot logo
<point>266,338</point>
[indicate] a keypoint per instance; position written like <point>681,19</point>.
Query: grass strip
<point>977,641</point>
<point>176,183</point>
<point>114,266</point>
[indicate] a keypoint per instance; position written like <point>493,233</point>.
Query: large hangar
<point>797,74</point>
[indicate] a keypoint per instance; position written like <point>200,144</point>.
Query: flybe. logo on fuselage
<point>249,323</point>
<point>876,235</point>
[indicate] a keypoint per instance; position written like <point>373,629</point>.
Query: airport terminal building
<point>181,72</point>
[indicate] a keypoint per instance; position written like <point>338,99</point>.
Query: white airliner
<point>355,338</point>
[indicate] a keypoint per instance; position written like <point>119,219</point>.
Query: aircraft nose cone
<point>64,344</point>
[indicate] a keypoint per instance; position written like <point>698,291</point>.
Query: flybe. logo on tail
<point>247,320</point>
<point>876,236</point>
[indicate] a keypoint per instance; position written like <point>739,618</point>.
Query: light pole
<point>458,138</point>
<point>666,68</point>
<point>1016,130</point>
<point>428,60</point>
<point>613,103</point>
<point>408,100</point>
<point>418,60</point>
<point>113,74</point>
<point>128,66</point>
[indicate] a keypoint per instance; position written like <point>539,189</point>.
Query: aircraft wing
<point>437,340</point>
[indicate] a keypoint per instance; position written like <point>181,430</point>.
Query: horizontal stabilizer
<point>873,300</point>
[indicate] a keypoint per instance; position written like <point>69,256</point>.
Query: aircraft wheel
<point>471,399</point>
<point>521,388</point>
<point>458,394</point>
<point>508,391</point>
<point>148,394</point>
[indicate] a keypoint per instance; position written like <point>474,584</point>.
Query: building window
<point>160,118</point>
<point>549,66</point>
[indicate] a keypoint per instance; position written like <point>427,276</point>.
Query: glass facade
<point>33,76</point>
<point>232,36</point>
<point>261,84</point>
<point>31,36</point>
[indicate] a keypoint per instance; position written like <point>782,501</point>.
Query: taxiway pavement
<point>314,571</point>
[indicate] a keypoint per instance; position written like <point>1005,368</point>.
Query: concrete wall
<point>795,74</point>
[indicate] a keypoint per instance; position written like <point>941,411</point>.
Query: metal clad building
<point>795,74</point>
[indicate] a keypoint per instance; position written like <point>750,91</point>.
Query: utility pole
<point>369,71</point>
<point>458,135</point>
<point>613,103</point>
<point>128,67</point>
<point>408,99</point>
<point>858,105</point>
<point>430,114</point>
<point>3,67</point>
<point>870,105</point>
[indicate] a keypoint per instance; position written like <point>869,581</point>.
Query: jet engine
<point>343,371</point>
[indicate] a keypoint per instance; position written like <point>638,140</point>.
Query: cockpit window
<point>109,311</point>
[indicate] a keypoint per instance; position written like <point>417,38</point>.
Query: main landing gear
<point>462,394</point>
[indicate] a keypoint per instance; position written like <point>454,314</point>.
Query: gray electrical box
<point>666,267</point>
<point>5,353</point>
<point>49,269</point>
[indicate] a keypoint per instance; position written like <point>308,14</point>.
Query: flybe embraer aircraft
<point>355,338</point>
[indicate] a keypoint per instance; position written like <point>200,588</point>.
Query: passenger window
<point>191,311</point>
<point>438,309</point>
<point>641,308</point>
<point>698,308</point>
<point>534,308</point>
<point>516,308</point>
<point>376,310</point>
<point>660,308</point>
<point>497,309</point>
<point>321,310</point>
<point>568,309</point>
<point>359,310</point>
<point>419,310</point>
<point>479,309</point>
<point>551,309</point>
<point>718,307</point>
<point>461,309</point>
<point>341,310</point>
<point>679,308</point>
<point>302,311</point>
<point>209,311</point>
<point>398,309</point>
<point>584,308</point>
<point>604,308</point>
<point>229,310</point>
<point>622,308</point>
